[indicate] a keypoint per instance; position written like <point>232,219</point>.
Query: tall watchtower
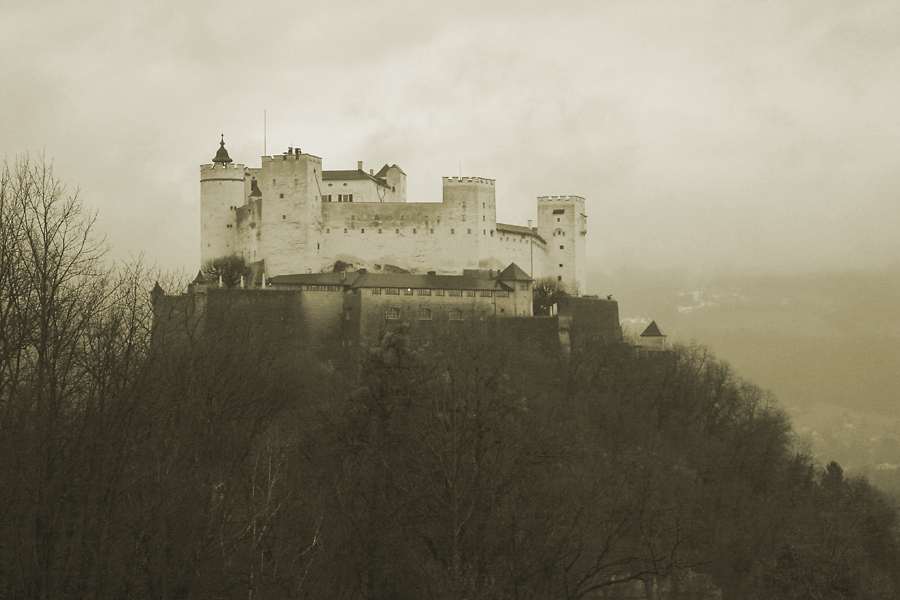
<point>562,223</point>
<point>221,193</point>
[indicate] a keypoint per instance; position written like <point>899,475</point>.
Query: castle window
<point>379,231</point>
<point>273,182</point>
<point>501,294</point>
<point>470,232</point>
<point>414,230</point>
<point>557,219</point>
<point>392,313</point>
<point>456,293</point>
<point>376,291</point>
<point>363,230</point>
<point>483,218</point>
<point>560,265</point>
<point>464,217</point>
<point>345,230</point>
<point>470,293</point>
<point>424,292</point>
<point>424,314</point>
<point>486,293</point>
<point>283,217</point>
<point>559,211</point>
<point>318,247</point>
<point>464,204</point>
<point>432,231</point>
<point>327,231</point>
<point>392,291</point>
<point>451,231</point>
<point>326,198</point>
<point>438,292</point>
<point>396,231</point>
<point>407,292</point>
<point>456,315</point>
<point>296,182</point>
<point>559,277</point>
<point>523,287</point>
<point>345,185</point>
<point>562,247</point>
<point>484,232</point>
<point>483,205</point>
<point>330,184</point>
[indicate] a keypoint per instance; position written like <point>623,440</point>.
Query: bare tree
<point>547,292</point>
<point>229,269</point>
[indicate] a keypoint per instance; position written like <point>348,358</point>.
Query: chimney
<point>372,172</point>
<point>359,165</point>
<point>361,271</point>
<point>432,272</point>
<point>529,223</point>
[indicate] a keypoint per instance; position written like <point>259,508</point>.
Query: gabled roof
<point>384,170</point>
<point>514,273</point>
<point>653,331</point>
<point>199,278</point>
<point>351,174</point>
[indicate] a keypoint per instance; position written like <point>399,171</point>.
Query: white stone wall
<point>560,222</point>
<point>221,194</point>
<point>295,232</point>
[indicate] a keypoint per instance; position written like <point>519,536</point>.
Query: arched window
<point>424,314</point>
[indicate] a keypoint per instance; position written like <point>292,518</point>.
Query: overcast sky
<point>704,134</point>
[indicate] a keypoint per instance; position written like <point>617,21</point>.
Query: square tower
<point>562,223</point>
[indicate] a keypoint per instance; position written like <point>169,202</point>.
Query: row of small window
<point>430,292</point>
<point>321,288</point>
<point>340,197</point>
<point>424,314</point>
<point>397,230</point>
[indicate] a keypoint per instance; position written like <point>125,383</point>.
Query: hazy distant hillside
<point>827,344</point>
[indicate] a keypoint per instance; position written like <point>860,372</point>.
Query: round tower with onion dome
<point>222,190</point>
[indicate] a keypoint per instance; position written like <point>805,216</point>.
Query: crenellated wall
<point>291,228</point>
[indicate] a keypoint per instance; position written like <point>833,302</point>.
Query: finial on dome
<point>222,154</point>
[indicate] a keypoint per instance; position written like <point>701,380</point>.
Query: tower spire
<point>222,155</point>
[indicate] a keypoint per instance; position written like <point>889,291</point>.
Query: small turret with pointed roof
<point>222,155</point>
<point>653,338</point>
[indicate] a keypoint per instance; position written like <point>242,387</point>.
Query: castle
<point>289,216</point>
<point>337,258</point>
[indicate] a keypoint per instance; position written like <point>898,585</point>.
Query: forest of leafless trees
<point>461,466</point>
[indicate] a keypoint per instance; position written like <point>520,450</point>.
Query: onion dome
<point>222,154</point>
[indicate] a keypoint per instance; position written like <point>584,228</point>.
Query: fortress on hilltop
<point>338,258</point>
<point>289,216</point>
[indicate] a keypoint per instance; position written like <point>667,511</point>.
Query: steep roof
<point>199,278</point>
<point>351,174</point>
<point>653,331</point>
<point>514,273</point>
<point>384,170</point>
